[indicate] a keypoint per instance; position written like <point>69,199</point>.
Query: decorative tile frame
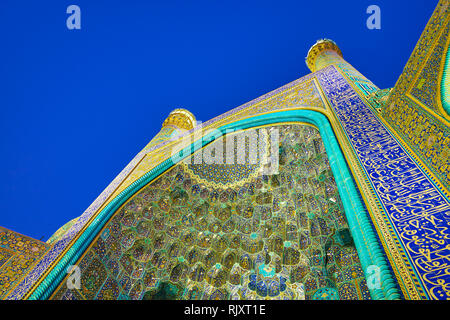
<point>365,240</point>
<point>411,213</point>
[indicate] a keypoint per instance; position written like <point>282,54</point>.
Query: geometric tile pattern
<point>17,254</point>
<point>281,236</point>
<point>303,87</point>
<point>414,108</point>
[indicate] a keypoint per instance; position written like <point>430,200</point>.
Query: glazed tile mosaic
<point>283,236</point>
<point>416,209</point>
<point>18,254</point>
<point>415,109</point>
<point>150,157</point>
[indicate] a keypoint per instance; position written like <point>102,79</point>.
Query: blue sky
<point>77,105</point>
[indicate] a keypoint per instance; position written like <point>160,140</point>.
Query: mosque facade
<point>327,188</point>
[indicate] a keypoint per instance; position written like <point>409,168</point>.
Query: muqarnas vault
<point>356,208</point>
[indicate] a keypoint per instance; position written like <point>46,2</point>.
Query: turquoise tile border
<point>367,245</point>
<point>445,84</point>
<point>415,209</point>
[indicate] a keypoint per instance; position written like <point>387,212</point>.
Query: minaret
<point>325,52</point>
<point>179,121</point>
<point>322,54</point>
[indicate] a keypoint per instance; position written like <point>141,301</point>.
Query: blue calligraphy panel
<point>416,209</point>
